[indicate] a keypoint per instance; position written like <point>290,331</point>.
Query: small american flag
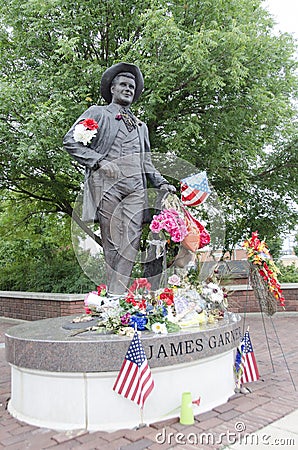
<point>194,189</point>
<point>134,380</point>
<point>248,361</point>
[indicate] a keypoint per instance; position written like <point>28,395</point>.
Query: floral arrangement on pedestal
<point>177,306</point>
<point>264,274</point>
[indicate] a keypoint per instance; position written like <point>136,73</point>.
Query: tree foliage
<point>288,273</point>
<point>39,257</point>
<point>219,92</point>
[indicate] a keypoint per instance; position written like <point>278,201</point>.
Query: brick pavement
<point>272,398</point>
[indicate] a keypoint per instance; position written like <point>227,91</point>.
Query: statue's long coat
<point>96,151</point>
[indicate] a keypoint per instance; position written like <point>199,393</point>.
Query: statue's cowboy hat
<point>110,74</point>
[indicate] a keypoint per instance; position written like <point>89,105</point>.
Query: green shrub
<point>58,272</point>
<point>288,274</point>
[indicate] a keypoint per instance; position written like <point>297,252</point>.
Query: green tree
<point>218,92</point>
<point>288,274</point>
<point>295,248</point>
<point>39,257</point>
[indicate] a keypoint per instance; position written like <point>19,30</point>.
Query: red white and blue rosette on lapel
<point>195,189</point>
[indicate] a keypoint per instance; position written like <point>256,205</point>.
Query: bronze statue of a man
<point>114,147</point>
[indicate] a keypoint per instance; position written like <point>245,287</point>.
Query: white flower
<point>159,328</point>
<point>170,316</point>
<point>82,134</point>
<point>92,299</point>
<point>175,280</point>
<point>128,331</point>
<point>213,292</point>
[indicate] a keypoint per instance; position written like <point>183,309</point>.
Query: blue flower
<point>164,311</point>
<point>149,309</point>
<point>238,359</point>
<point>140,320</point>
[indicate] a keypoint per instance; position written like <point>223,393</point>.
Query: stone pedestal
<point>64,382</point>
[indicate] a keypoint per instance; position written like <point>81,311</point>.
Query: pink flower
<point>176,236</point>
<point>155,226</point>
<point>170,221</point>
<point>169,225</point>
<point>125,319</point>
<point>175,280</point>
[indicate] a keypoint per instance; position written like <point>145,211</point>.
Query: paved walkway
<point>266,418</point>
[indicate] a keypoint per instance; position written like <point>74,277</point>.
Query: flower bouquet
<point>177,232</point>
<point>139,308</point>
<point>179,305</point>
<point>171,223</point>
<point>263,274</point>
<point>85,131</point>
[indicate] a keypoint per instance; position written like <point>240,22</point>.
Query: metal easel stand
<point>268,306</point>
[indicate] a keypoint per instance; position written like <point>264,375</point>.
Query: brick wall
<point>242,298</point>
<point>37,305</point>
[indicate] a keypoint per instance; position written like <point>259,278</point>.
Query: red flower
<point>142,304</point>
<point>140,283</point>
<point>102,290</point>
<point>143,282</point>
<point>129,298</point>
<point>263,274</point>
<point>90,124</point>
<point>167,296</point>
<point>258,251</point>
<point>87,310</point>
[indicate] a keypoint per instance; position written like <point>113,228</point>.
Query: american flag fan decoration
<point>248,363</point>
<point>194,189</point>
<point>134,380</point>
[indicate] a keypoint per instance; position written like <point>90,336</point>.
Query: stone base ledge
<point>47,345</point>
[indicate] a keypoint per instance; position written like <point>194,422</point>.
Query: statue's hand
<point>110,169</point>
<point>168,187</point>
